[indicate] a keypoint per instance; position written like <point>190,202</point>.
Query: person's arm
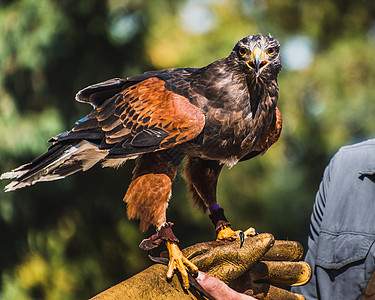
<point>309,290</point>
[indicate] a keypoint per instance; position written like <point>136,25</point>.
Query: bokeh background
<point>71,239</point>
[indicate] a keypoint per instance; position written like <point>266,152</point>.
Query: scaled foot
<point>177,261</point>
<point>227,233</point>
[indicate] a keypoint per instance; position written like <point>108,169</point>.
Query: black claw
<point>157,259</point>
<point>242,238</point>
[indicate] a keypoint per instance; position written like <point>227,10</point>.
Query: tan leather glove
<point>251,269</point>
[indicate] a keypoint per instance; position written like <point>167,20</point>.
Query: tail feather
<point>60,161</point>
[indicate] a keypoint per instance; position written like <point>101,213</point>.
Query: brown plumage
<point>146,114</point>
<point>222,113</point>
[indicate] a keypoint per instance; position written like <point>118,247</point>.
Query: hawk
<point>219,114</point>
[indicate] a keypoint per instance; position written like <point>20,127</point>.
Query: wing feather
<point>144,117</point>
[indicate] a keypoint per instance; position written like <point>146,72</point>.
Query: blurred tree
<point>70,239</point>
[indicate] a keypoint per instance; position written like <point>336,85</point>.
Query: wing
<point>273,135</point>
<point>96,94</point>
<point>143,117</point>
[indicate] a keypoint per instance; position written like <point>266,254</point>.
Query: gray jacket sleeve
<point>341,248</point>
<point>310,290</point>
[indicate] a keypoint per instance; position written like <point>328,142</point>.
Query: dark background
<point>71,239</point>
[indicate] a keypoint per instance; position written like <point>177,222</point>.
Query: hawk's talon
<point>251,232</point>
<point>178,261</point>
<point>226,233</point>
<point>242,238</point>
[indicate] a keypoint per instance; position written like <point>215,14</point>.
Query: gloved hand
<point>251,269</point>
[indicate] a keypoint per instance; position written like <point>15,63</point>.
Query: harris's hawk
<point>220,114</point>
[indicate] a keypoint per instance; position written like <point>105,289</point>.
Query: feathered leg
<point>202,176</point>
<point>147,199</point>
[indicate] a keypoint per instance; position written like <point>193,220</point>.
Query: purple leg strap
<point>214,207</point>
<point>217,217</point>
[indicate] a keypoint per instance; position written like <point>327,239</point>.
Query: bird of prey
<point>219,114</point>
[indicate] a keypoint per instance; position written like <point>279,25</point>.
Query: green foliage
<point>71,239</point>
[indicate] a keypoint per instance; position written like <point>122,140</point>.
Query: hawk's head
<point>259,55</point>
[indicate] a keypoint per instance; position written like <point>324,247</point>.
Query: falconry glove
<point>257,268</point>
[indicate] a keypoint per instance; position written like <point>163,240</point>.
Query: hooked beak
<point>257,63</point>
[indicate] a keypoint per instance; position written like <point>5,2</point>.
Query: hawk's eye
<point>242,51</point>
<point>271,51</point>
